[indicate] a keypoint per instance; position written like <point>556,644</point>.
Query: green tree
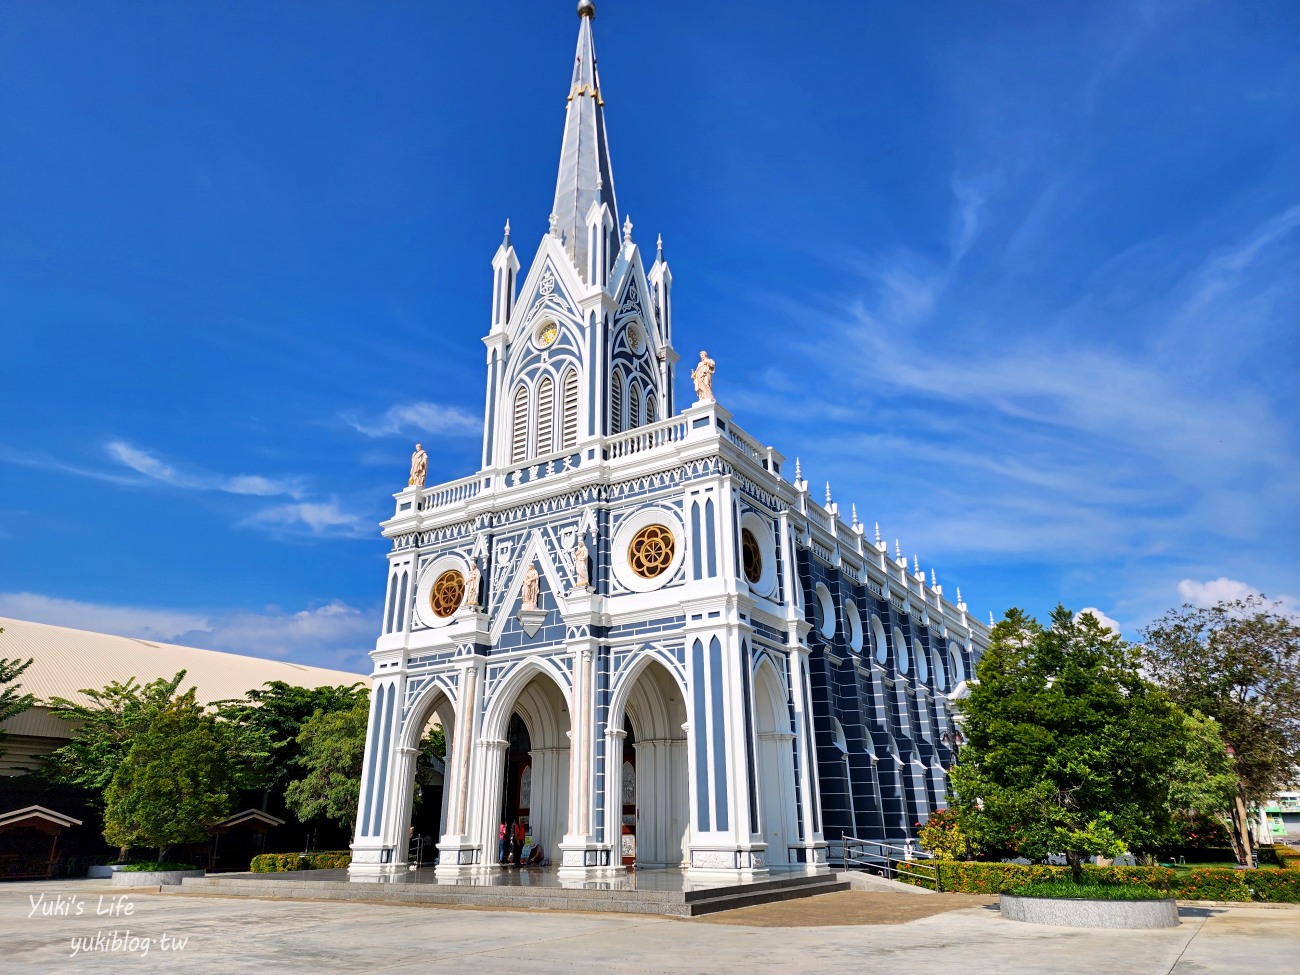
<point>1068,749</point>
<point>175,783</point>
<point>1237,662</point>
<point>104,730</point>
<point>333,746</point>
<point>273,717</point>
<point>11,701</point>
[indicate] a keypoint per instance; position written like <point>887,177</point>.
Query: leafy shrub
<point>148,866</point>
<point>1275,886</point>
<point>1286,857</point>
<point>1215,884</point>
<point>281,862</point>
<point>942,835</point>
<point>1090,891</point>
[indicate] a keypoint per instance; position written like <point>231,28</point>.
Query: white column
<point>810,834</point>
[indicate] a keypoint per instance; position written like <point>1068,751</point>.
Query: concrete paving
<point>86,926</point>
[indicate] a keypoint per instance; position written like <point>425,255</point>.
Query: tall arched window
<point>519,431</point>
<point>616,404</point>
<point>545,416</point>
<point>650,414</point>
<point>569,432</point>
<point>634,405</point>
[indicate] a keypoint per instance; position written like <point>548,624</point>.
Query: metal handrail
<point>891,860</point>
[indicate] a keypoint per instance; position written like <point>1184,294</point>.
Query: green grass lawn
<point>1184,868</point>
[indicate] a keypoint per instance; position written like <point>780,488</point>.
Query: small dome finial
<point>586,9</point>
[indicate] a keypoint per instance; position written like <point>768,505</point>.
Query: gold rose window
<point>447,593</point>
<point>751,556</point>
<point>651,551</point>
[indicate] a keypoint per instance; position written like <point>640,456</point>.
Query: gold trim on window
<point>447,593</point>
<point>651,551</point>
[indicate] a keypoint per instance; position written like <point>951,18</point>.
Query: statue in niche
<point>419,467</point>
<point>702,376</point>
<point>532,587</point>
<point>472,584</point>
<point>581,560</point>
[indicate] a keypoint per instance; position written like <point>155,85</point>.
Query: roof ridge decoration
<point>586,176</point>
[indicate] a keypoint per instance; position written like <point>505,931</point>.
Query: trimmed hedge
<point>150,866</point>
<point>279,862</point>
<point>1207,884</point>
<point>1287,857</point>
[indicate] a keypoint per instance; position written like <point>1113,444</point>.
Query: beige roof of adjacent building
<point>65,661</point>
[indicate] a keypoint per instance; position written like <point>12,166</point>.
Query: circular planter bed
<point>1081,913</point>
<point>152,878</point>
<point>102,871</point>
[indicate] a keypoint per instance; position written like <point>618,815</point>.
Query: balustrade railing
<point>646,438</point>
<point>447,494</point>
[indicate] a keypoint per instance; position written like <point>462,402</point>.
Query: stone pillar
<point>373,844</point>
<point>810,826</point>
<point>614,738</point>
<point>581,850</point>
<point>457,850</point>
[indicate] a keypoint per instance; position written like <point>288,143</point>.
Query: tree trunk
<point>1242,844</point>
<point>1075,860</point>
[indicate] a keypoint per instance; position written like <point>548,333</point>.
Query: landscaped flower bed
<point>1203,884</point>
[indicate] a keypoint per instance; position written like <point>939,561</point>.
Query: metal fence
<point>892,861</point>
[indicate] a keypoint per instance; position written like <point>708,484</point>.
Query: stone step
<point>674,903</point>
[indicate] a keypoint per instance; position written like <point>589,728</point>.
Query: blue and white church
<point>641,633</point>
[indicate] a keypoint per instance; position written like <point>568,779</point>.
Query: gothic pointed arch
<point>545,416</point>
<point>569,411</point>
<point>519,425</point>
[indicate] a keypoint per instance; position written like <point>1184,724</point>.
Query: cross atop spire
<point>585,173</point>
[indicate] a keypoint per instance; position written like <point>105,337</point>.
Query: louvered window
<point>616,404</point>
<point>570,432</point>
<point>634,405</point>
<point>545,415</point>
<point>650,415</point>
<point>519,432</point>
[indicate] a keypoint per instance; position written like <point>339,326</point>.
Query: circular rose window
<point>751,555</point>
<point>447,592</point>
<point>651,551</point>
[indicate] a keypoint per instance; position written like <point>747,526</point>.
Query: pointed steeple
<point>585,174</point>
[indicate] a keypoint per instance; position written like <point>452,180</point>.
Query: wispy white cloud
<point>311,517</point>
<point>144,462</point>
<point>330,634</point>
<point>420,419</point>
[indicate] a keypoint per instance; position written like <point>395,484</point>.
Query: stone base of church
<point>580,860</point>
<point>458,859</point>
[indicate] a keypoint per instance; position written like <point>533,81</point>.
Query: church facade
<point>641,633</point>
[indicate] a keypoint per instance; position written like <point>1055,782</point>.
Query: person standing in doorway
<point>501,843</point>
<point>519,834</point>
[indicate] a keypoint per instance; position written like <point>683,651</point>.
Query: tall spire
<point>585,174</point>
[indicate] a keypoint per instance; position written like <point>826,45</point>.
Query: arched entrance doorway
<point>531,783</point>
<point>424,794</point>
<point>778,822</point>
<point>649,807</point>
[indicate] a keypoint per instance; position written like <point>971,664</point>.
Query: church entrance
<point>649,806</point>
<point>532,786</point>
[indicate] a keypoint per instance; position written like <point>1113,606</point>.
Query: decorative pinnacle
<point>798,471</point>
<point>877,534</point>
<point>586,9</point>
<point>916,565</point>
<point>854,507</point>
<point>991,623</point>
<point>959,595</point>
<point>898,549</point>
<point>934,582</point>
<point>506,242</point>
<point>659,249</point>
<point>828,492</point>
<point>627,229</point>
<point>555,224</point>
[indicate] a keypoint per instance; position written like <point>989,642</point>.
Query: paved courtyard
<point>85,926</point>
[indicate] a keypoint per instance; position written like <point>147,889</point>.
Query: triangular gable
<point>37,813</point>
<point>534,550</point>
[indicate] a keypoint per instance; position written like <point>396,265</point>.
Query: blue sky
<point>1018,279</point>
